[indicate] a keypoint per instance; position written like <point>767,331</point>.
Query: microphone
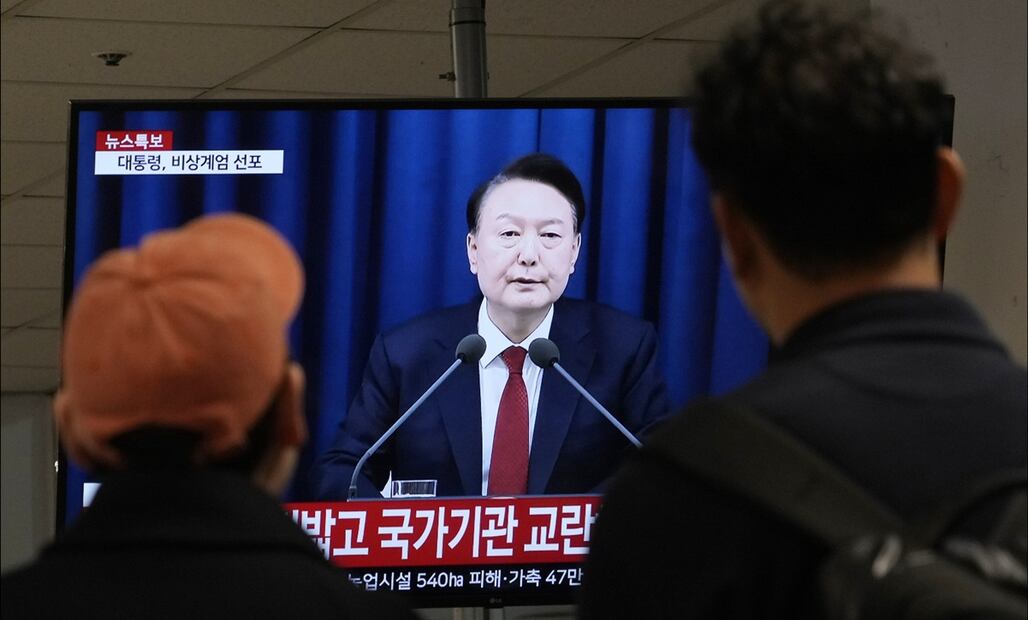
<point>469,350</point>
<point>544,353</point>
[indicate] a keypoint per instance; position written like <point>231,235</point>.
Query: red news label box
<point>457,531</point>
<point>139,140</point>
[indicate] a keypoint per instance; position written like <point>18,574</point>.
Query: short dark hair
<point>538,167</point>
<point>823,129</point>
<point>165,448</point>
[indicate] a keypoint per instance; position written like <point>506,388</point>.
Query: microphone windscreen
<point>543,352</point>
<point>471,348</point>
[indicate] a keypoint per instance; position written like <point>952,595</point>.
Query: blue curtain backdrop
<point>373,200</point>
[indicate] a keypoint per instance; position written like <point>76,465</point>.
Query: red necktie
<point>508,469</point>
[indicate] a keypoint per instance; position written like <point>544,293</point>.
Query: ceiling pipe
<point>467,42</point>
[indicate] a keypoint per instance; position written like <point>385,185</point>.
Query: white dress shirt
<point>492,377</point>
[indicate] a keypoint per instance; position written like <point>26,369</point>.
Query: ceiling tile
<point>50,187</point>
<point>35,307</point>
<point>32,221</point>
<point>590,18</point>
<point>654,69</point>
<point>518,64</point>
<point>409,15</point>
<point>716,24</point>
<point>567,18</point>
<point>306,13</point>
<point>22,163</point>
<point>31,347</point>
<point>39,111</point>
<point>163,54</point>
<point>31,266</point>
<point>359,61</point>
<point>15,379</point>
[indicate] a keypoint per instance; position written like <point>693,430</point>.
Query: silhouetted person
<point>179,393</point>
<point>832,191</point>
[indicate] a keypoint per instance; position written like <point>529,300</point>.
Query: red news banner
<point>146,140</point>
<point>461,531</point>
<point>445,546</point>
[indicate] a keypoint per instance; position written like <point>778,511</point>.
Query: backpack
<point>879,566</point>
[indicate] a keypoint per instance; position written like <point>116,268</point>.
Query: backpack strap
<point>1001,553</point>
<point>744,453</point>
<point>750,456</point>
<point>929,527</point>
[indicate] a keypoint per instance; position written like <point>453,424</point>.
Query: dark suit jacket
<point>906,392</point>
<point>198,544</point>
<point>574,448</point>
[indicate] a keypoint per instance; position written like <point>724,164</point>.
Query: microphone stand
<point>392,429</point>
<point>595,403</point>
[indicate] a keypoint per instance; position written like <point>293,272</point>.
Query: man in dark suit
<point>502,427</point>
<point>832,190</point>
<point>179,394</point>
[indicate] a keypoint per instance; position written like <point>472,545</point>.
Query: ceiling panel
<point>655,69</point>
<point>22,163</point>
<point>305,13</point>
<point>588,18</point>
<point>716,24</point>
<point>31,266</point>
<point>32,221</point>
<point>566,18</point>
<point>518,64</point>
<point>51,187</point>
<point>162,54</point>
<point>39,111</point>
<point>17,379</point>
<point>409,15</point>
<point>35,307</point>
<point>355,61</point>
<point>33,347</point>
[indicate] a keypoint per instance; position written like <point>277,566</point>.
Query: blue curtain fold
<point>374,200</point>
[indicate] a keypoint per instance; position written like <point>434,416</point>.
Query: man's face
<point>525,246</point>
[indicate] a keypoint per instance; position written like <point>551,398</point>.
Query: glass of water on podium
<point>413,488</point>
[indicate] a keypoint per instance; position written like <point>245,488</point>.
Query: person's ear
<point>63,423</point>
<point>472,253</point>
<point>278,465</point>
<point>737,237</point>
<point>81,449</point>
<point>575,247</point>
<point>949,187</point>
<point>292,422</point>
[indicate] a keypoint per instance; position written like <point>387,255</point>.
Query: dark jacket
<point>905,391</point>
<point>185,545</point>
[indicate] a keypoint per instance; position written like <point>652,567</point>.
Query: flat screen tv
<point>372,195</point>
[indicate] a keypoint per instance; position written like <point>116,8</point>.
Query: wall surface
<point>29,482</point>
<point>980,47</point>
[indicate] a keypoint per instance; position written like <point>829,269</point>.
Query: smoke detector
<point>111,58</point>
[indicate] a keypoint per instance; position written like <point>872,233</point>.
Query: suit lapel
<point>557,399</point>
<point>458,401</point>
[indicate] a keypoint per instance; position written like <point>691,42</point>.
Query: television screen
<point>373,195</point>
